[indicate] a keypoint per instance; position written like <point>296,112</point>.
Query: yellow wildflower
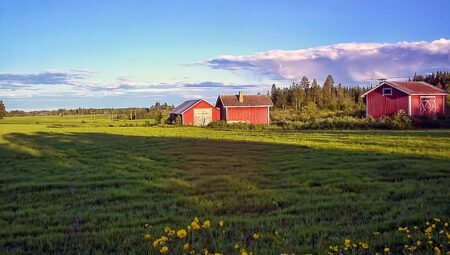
<point>164,249</point>
<point>221,223</point>
<point>437,219</point>
<point>236,246</point>
<point>376,233</point>
<point>171,233</point>
<point>347,242</point>
<point>446,224</point>
<point>167,230</point>
<point>437,250</point>
<point>429,230</point>
<point>186,247</point>
<point>244,252</point>
<point>256,236</point>
<point>195,225</point>
<point>365,246</point>
<point>206,224</point>
<point>147,225</point>
<point>386,250</point>
<point>418,243</point>
<point>147,236</point>
<point>156,243</point>
<point>181,233</point>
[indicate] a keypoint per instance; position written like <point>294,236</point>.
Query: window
<point>387,92</point>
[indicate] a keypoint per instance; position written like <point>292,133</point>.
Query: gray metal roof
<point>184,106</point>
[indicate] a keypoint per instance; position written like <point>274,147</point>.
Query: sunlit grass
<point>89,186</point>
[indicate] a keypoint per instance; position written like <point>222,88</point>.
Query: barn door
<point>202,117</point>
<point>427,106</point>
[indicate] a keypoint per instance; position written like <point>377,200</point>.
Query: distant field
<point>83,185</point>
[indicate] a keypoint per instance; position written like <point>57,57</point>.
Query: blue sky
<point>66,54</point>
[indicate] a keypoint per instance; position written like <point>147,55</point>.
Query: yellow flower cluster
<point>173,238</point>
<point>432,238</point>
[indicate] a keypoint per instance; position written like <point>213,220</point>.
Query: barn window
<point>387,92</point>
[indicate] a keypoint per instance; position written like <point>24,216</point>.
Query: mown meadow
<point>85,185</point>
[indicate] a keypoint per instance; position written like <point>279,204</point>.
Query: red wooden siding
<point>188,116</point>
<point>415,105</point>
<point>379,105</point>
<point>254,115</point>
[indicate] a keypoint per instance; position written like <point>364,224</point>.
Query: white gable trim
<point>389,84</point>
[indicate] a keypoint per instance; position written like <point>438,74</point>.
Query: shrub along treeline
<point>157,112</point>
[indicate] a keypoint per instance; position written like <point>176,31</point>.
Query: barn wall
<point>379,105</point>
<point>415,105</point>
<point>188,116</point>
<point>254,115</point>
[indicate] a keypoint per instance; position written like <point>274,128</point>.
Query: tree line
<point>328,96</point>
<point>131,113</point>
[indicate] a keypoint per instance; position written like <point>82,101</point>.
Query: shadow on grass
<point>85,192</point>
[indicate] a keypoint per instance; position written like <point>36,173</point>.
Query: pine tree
<point>2,110</point>
<point>327,92</point>
<point>315,93</point>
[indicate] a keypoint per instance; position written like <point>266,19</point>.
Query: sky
<point>114,53</point>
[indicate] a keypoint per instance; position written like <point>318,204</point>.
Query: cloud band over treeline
<point>347,62</point>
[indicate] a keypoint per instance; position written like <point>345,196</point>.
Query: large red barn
<point>195,112</point>
<point>414,98</point>
<point>252,109</point>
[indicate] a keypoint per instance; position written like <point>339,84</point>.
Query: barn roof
<point>412,88</point>
<point>249,100</point>
<point>187,105</point>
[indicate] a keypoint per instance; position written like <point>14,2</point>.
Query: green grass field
<point>79,185</point>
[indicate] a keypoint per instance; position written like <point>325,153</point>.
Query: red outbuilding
<point>414,98</point>
<point>195,112</point>
<point>252,109</point>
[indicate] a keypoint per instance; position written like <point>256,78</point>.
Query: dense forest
<point>328,96</point>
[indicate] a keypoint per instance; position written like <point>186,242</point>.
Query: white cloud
<point>348,62</point>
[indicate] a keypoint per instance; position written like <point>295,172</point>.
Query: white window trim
<point>385,94</point>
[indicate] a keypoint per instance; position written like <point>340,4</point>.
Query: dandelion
<point>164,249</point>
<point>347,242</point>
<point>206,224</point>
<point>186,247</point>
<point>195,225</point>
<point>244,252</point>
<point>386,250</point>
<point>181,233</point>
<point>147,236</point>
<point>437,250</point>
<point>167,230</point>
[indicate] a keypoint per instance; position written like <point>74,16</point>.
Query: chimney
<point>241,97</point>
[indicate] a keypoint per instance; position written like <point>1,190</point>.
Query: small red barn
<point>244,108</point>
<point>195,112</point>
<point>414,98</point>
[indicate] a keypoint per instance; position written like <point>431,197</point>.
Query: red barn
<point>244,108</point>
<point>195,112</point>
<point>414,98</point>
